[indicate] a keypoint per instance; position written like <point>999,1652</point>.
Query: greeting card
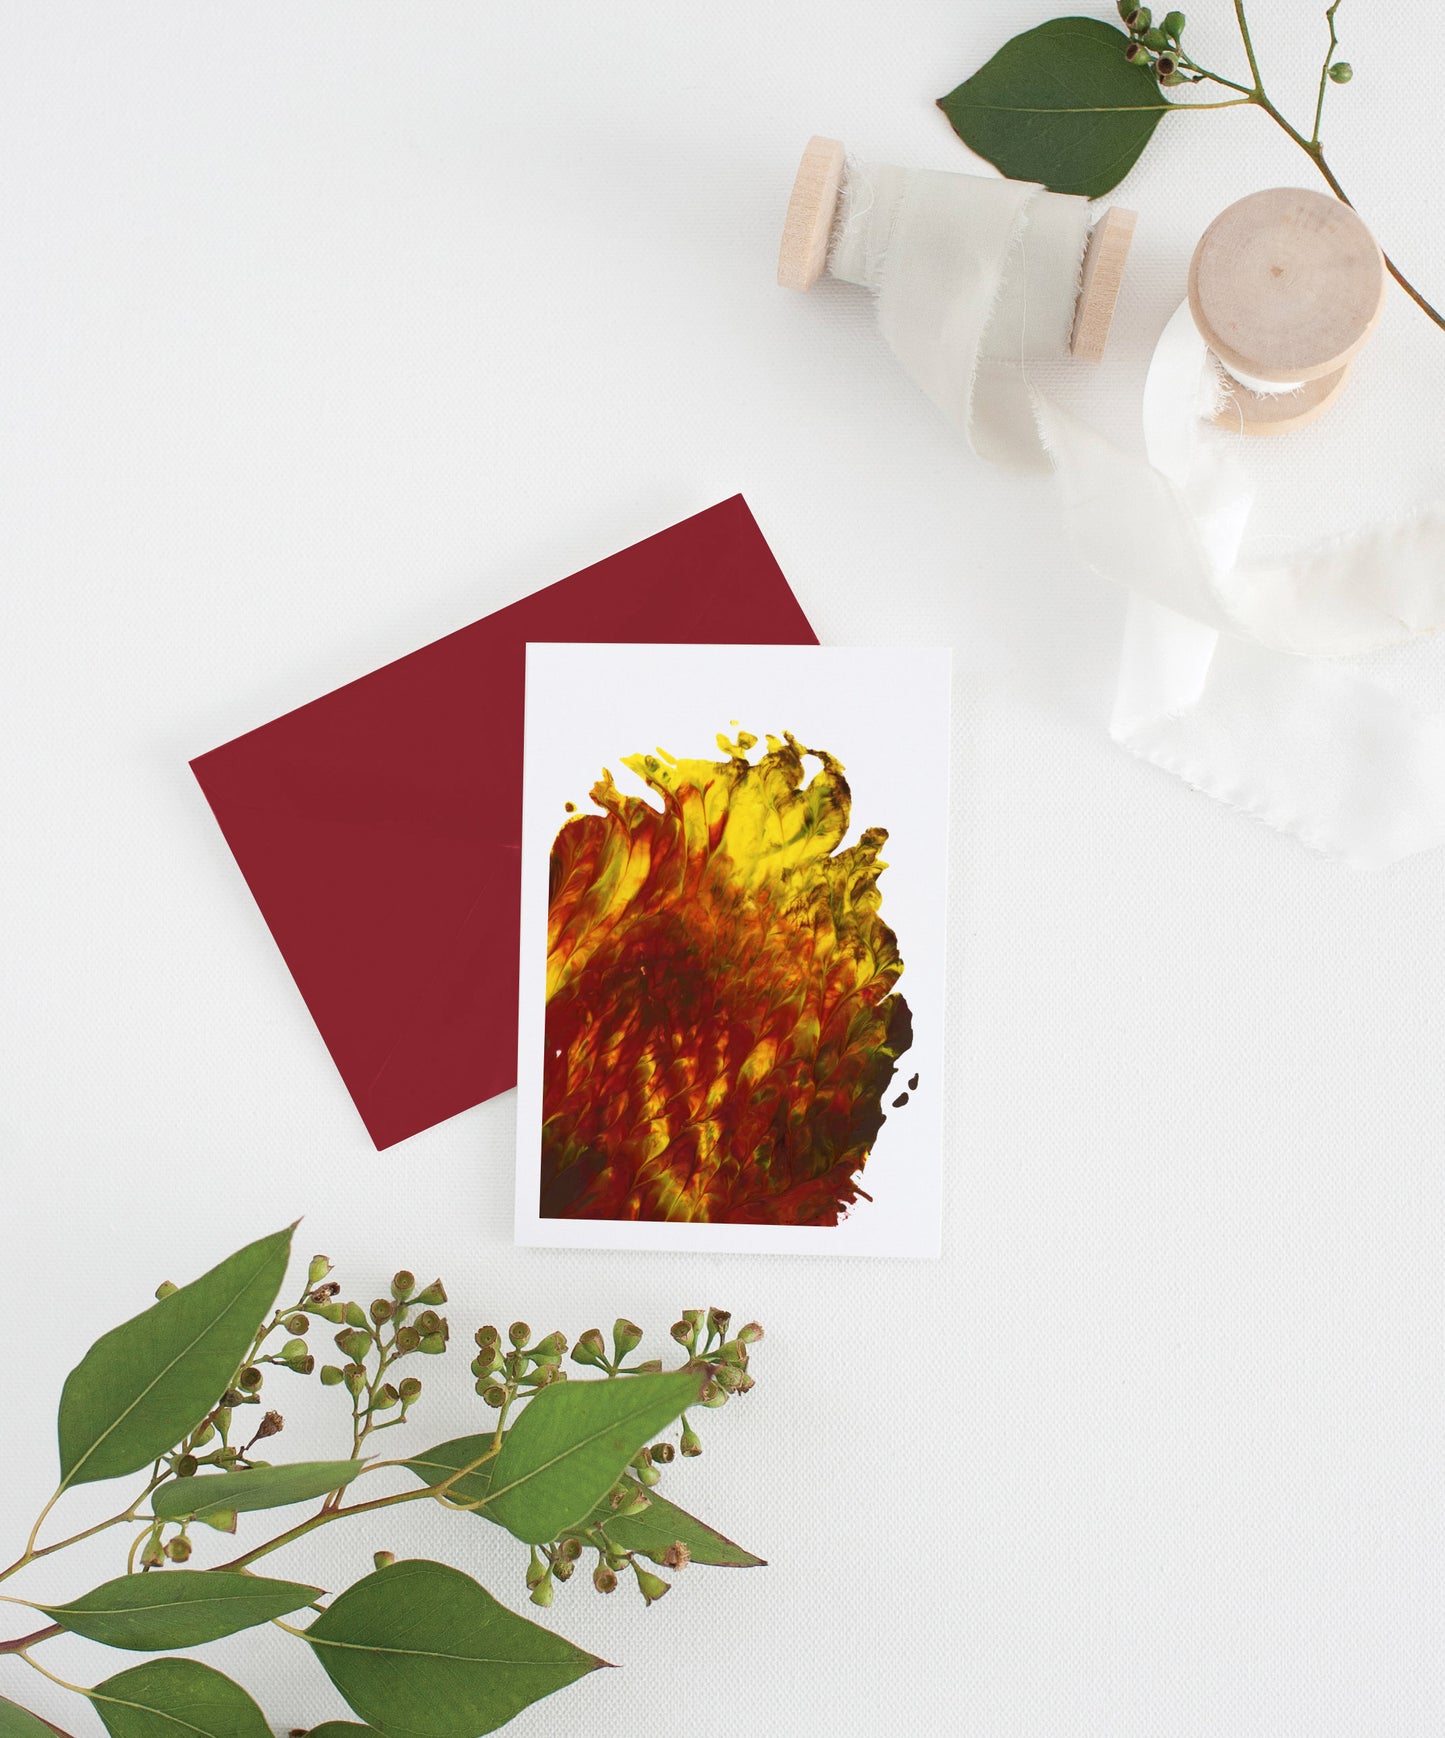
<point>733,901</point>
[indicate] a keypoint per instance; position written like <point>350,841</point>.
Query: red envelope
<point>379,827</point>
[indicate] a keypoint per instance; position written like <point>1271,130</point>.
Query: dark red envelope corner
<point>379,827</point>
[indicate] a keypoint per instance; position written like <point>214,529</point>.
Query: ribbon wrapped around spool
<point>1230,674</point>
<point>973,276</point>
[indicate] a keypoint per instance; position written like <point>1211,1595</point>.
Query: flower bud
<point>203,1433</point>
<point>179,1549</point>
<point>431,1344</point>
<point>1342,72</point>
<point>626,1337</point>
<point>298,1323</point>
<point>691,1444</point>
<point>649,1475</point>
<point>1172,78</point>
<point>542,1592</point>
<point>536,1569</point>
<point>383,1559</point>
<point>653,1367</point>
<point>318,1270</point>
<point>519,1333</point>
<point>403,1284</point>
<point>329,1312</point>
<point>562,1571</point>
<point>167,1288</point>
<point>232,1397</point>
<point>355,1315</point>
<point>409,1388</point>
<point>751,1334</point>
<point>331,1374</point>
<point>729,1378</point>
<point>382,1310</point>
<point>590,1348</point>
<point>652,1587</point>
<point>1174,24</point>
<point>435,1293</point>
<point>293,1349</point>
<point>222,1418</point>
<point>604,1579</point>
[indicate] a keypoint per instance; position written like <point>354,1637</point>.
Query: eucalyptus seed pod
<point>431,1344</point>
<point>409,1388</point>
<point>652,1587</point>
<point>297,1323</point>
<point>590,1348</point>
<point>318,1270</point>
<point>355,1343</point>
<point>536,1569</point>
<point>185,1466</point>
<point>562,1571</point>
<point>329,1312</point>
<point>542,1592</point>
<point>222,1417</point>
<point>167,1288</point>
<point>355,1378</point>
<point>604,1579</point>
<point>717,1322</point>
<point>383,1559</point>
<point>428,1322</point>
<point>487,1336</point>
<point>222,1520</point>
<point>303,1366</point>
<point>682,1333</point>
<point>403,1284</point>
<point>652,1367</point>
<point>179,1548</point>
<point>331,1374</point>
<point>519,1333</point>
<point>1342,72</point>
<point>691,1443</point>
<point>203,1432</point>
<point>495,1395</point>
<point>649,1475</point>
<point>569,1549</point>
<point>271,1425</point>
<point>751,1333</point>
<point>355,1315</point>
<point>382,1310</point>
<point>250,1379</point>
<point>407,1339</point>
<point>435,1293</point>
<point>662,1453</point>
<point>1174,25</point>
<point>386,1397</point>
<point>626,1337</point>
<point>293,1349</point>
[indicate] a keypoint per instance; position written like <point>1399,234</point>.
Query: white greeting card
<point>734,864</point>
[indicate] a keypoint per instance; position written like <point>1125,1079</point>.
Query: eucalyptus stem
<point>1259,98</point>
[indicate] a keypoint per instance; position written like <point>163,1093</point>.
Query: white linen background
<point>326,329</point>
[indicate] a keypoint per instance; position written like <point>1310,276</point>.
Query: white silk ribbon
<point>1229,675</point>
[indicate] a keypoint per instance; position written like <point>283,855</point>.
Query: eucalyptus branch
<point>557,1461</point>
<point>1160,48</point>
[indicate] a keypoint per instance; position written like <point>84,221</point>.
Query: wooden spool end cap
<point>808,226</point>
<point>1244,411</point>
<point>1103,273</point>
<point>1287,285</point>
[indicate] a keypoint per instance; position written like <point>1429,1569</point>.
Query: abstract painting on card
<point>734,865</point>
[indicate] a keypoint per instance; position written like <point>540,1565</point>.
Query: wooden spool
<point>1286,287</point>
<point>808,229</point>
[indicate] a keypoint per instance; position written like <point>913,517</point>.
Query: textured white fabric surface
<point>325,329</point>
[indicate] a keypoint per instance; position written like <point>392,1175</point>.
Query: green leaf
<point>340,1729</point>
<point>1060,105</point>
<point>572,1444</point>
<point>436,1464</point>
<point>177,1699</point>
<point>261,1487</point>
<point>178,1608</point>
<point>142,1386</point>
<point>661,1525</point>
<point>18,1722</point>
<point>419,1650</point>
<point>650,1533</point>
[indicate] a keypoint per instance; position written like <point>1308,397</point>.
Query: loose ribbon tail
<point>1226,675</point>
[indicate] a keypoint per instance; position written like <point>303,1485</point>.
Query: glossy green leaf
<point>419,1650</point>
<point>1060,105</point>
<point>18,1722</point>
<point>142,1386</point>
<point>573,1443</point>
<point>340,1729</point>
<point>178,1607</point>
<point>177,1699</point>
<point>436,1464</point>
<point>261,1487</point>
<point>661,1525</point>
